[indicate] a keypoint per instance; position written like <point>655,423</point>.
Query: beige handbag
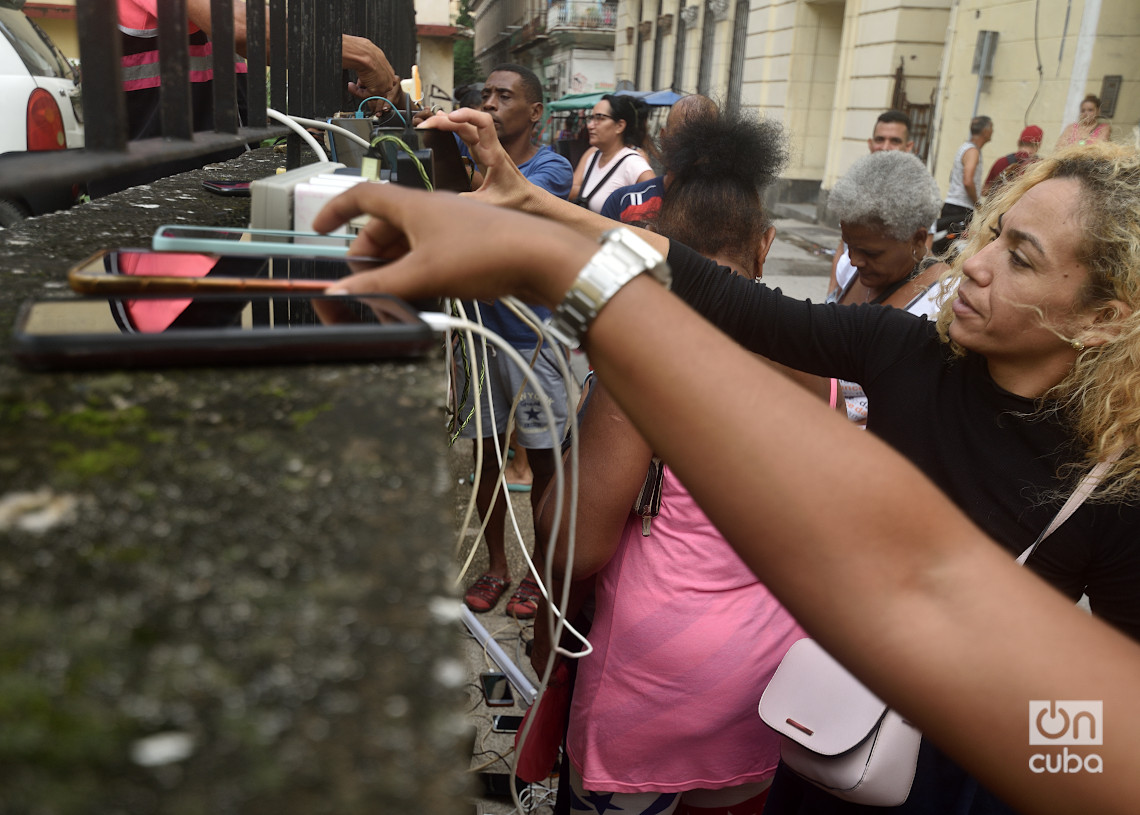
<point>836,733</point>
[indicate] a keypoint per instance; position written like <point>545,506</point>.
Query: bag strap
<point>1083,490</point>
<point>647,505</point>
<point>584,200</point>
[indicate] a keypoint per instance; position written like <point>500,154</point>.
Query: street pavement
<point>799,262</point>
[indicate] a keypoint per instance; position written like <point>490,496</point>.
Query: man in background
<point>1013,164</point>
<point>512,95</point>
<point>138,22</point>
<point>965,186</point>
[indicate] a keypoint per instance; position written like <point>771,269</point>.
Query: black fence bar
<point>100,47</point>
<point>301,58</point>
<point>327,70</point>
<point>225,77</point>
<point>278,54</point>
<point>255,59</point>
<point>174,61</point>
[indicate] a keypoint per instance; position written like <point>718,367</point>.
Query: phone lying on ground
<point>215,329</point>
<point>174,238</point>
<point>137,271</point>
<point>227,186</point>
<point>506,724</point>
<point>496,689</point>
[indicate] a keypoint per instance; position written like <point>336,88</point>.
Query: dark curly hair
<point>635,113</point>
<point>718,169</point>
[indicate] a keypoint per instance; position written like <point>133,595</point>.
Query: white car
<point>40,106</point>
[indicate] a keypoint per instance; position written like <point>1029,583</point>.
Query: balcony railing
<point>582,14</point>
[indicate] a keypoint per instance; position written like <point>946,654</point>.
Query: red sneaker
<point>484,593</point>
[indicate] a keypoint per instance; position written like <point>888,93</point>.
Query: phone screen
<point>215,329</point>
<point>506,724</point>
<point>497,689</point>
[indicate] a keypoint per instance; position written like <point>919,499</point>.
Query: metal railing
<point>581,14</point>
<point>306,46</point>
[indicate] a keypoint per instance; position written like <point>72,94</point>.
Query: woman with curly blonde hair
<point>1030,380</point>
<point>1099,395</point>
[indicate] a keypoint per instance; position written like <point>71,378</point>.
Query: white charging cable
<point>322,125</point>
<point>444,322</point>
<point>300,131</point>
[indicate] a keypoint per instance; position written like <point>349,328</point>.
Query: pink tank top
<point>685,640</point>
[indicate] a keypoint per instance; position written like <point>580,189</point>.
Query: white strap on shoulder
<point>1083,490</point>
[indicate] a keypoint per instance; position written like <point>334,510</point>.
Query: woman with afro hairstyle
<point>685,637</point>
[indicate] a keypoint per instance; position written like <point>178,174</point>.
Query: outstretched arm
<point>926,610</point>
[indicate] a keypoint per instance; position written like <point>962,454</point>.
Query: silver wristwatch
<point>623,257</point>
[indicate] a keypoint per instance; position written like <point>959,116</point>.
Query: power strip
<point>271,204</point>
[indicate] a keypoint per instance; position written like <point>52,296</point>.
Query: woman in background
<point>617,128</point>
<point>885,204</point>
<point>1088,128</point>
<point>685,636</point>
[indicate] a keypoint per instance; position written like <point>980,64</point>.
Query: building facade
<point>569,43</point>
<point>827,68</point>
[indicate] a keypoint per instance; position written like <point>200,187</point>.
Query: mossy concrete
<point>250,564</point>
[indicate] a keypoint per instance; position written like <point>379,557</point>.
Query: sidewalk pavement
<point>799,262</point>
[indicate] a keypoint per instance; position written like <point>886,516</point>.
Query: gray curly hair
<point>889,188</point>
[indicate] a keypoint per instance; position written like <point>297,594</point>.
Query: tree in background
<point>466,69</point>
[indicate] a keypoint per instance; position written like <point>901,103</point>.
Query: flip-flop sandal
<point>523,604</point>
<point>484,593</point>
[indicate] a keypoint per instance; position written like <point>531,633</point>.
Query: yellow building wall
<point>826,69</point>
<point>1017,94</point>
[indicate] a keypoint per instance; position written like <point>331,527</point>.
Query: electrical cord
<point>393,108</point>
<point>300,131</point>
<point>444,322</point>
<point>387,137</point>
<point>322,125</point>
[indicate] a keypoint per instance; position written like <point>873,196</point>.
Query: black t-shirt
<point>990,451</point>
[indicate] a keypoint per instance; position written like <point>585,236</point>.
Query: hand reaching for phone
<point>502,183</point>
<point>442,245</point>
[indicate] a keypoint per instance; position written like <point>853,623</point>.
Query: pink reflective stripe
<point>143,58</point>
<point>139,84</point>
<point>202,76</point>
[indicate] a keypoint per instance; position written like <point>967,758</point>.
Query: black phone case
<point>181,345</point>
<point>237,188</point>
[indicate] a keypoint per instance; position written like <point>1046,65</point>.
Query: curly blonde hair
<point>1100,396</point>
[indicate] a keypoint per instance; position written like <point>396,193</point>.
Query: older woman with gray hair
<point>885,205</point>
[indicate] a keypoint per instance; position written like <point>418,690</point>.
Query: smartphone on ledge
<point>227,186</point>
<point>215,329</point>
<point>138,271</point>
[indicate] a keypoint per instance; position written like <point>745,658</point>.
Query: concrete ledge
<point>223,590</point>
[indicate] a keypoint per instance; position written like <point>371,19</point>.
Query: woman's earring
<point>1077,345</point>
